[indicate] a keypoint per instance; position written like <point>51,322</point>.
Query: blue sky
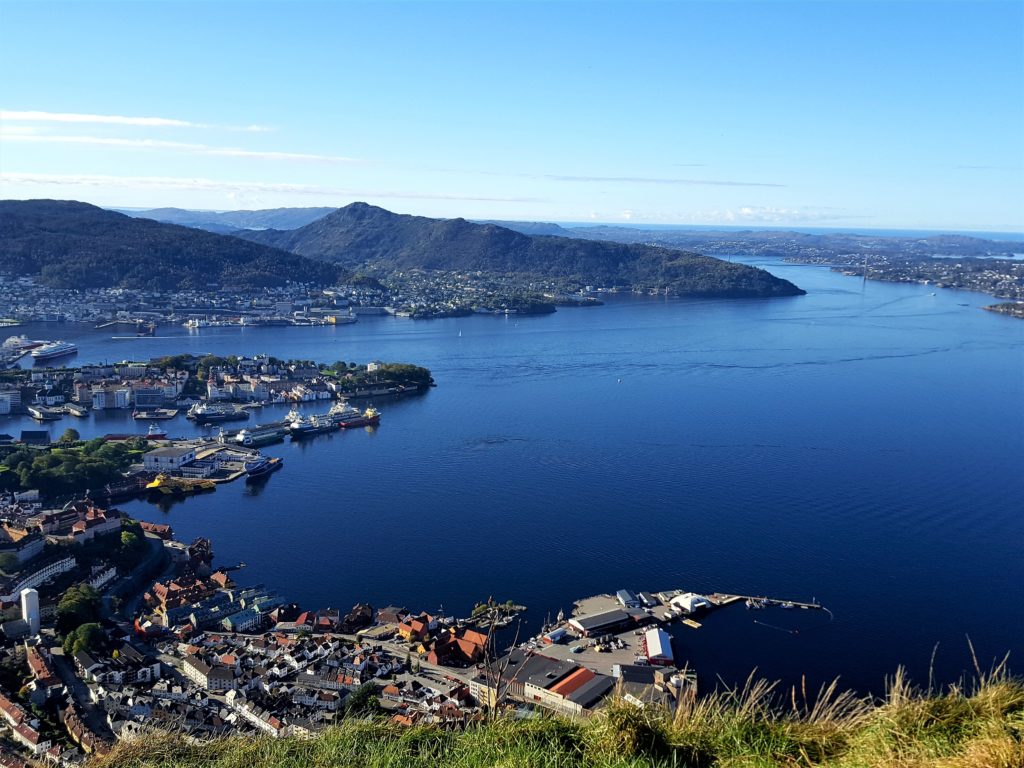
<point>867,114</point>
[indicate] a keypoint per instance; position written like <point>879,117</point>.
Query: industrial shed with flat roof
<point>599,623</point>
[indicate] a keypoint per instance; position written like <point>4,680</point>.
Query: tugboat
<point>261,466</point>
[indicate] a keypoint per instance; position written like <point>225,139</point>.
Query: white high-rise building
<point>30,610</point>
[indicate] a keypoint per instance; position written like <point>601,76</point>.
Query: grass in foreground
<point>979,727</point>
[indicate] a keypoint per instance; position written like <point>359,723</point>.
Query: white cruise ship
<point>56,349</point>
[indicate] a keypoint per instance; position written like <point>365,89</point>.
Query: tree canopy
<point>79,605</point>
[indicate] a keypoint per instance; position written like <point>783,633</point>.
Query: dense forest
<point>75,245</point>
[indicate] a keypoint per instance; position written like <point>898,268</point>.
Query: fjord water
<point>861,445</point>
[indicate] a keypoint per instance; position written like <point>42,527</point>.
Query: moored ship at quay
<point>307,426</point>
<point>54,350</point>
<point>349,417</point>
<point>206,413</point>
<point>262,466</point>
<point>341,416</point>
<point>264,434</point>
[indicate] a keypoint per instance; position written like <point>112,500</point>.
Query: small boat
<point>262,466</point>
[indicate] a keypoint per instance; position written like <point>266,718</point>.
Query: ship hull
<point>217,418</point>
<point>257,441</point>
<point>264,469</point>
<point>303,432</point>
<point>362,421</point>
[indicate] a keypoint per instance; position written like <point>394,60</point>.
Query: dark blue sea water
<point>861,445</point>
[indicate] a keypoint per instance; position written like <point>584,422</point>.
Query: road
<point>93,715</point>
<point>128,608</point>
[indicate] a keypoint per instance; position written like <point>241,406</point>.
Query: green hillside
<point>68,244</point>
<point>364,234</point>
<point>979,728</point>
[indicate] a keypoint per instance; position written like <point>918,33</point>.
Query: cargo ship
<point>53,350</point>
<point>261,466</point>
<point>204,413</point>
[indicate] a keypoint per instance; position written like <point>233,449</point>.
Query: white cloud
<point>740,215</point>
<point>656,180</point>
<point>226,187</point>
<point>200,149</point>
<point>150,122</point>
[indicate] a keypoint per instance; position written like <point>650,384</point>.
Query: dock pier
<point>723,599</point>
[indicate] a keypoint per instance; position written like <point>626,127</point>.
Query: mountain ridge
<point>69,244</point>
<point>227,222</point>
<point>360,234</point>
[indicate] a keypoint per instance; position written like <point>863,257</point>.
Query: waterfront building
<point>602,623</point>
<point>168,460</point>
<point>659,646</point>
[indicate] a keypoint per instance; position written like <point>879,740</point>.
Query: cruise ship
<point>21,344</point>
<point>55,349</point>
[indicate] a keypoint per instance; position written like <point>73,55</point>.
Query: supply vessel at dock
<point>307,426</point>
<point>264,434</point>
<point>206,413</point>
<point>261,466</point>
<point>353,417</point>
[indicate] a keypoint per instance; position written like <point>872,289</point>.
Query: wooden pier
<point>722,599</point>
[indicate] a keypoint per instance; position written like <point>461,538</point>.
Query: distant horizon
<point>743,114</point>
<point>1004,235</point>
